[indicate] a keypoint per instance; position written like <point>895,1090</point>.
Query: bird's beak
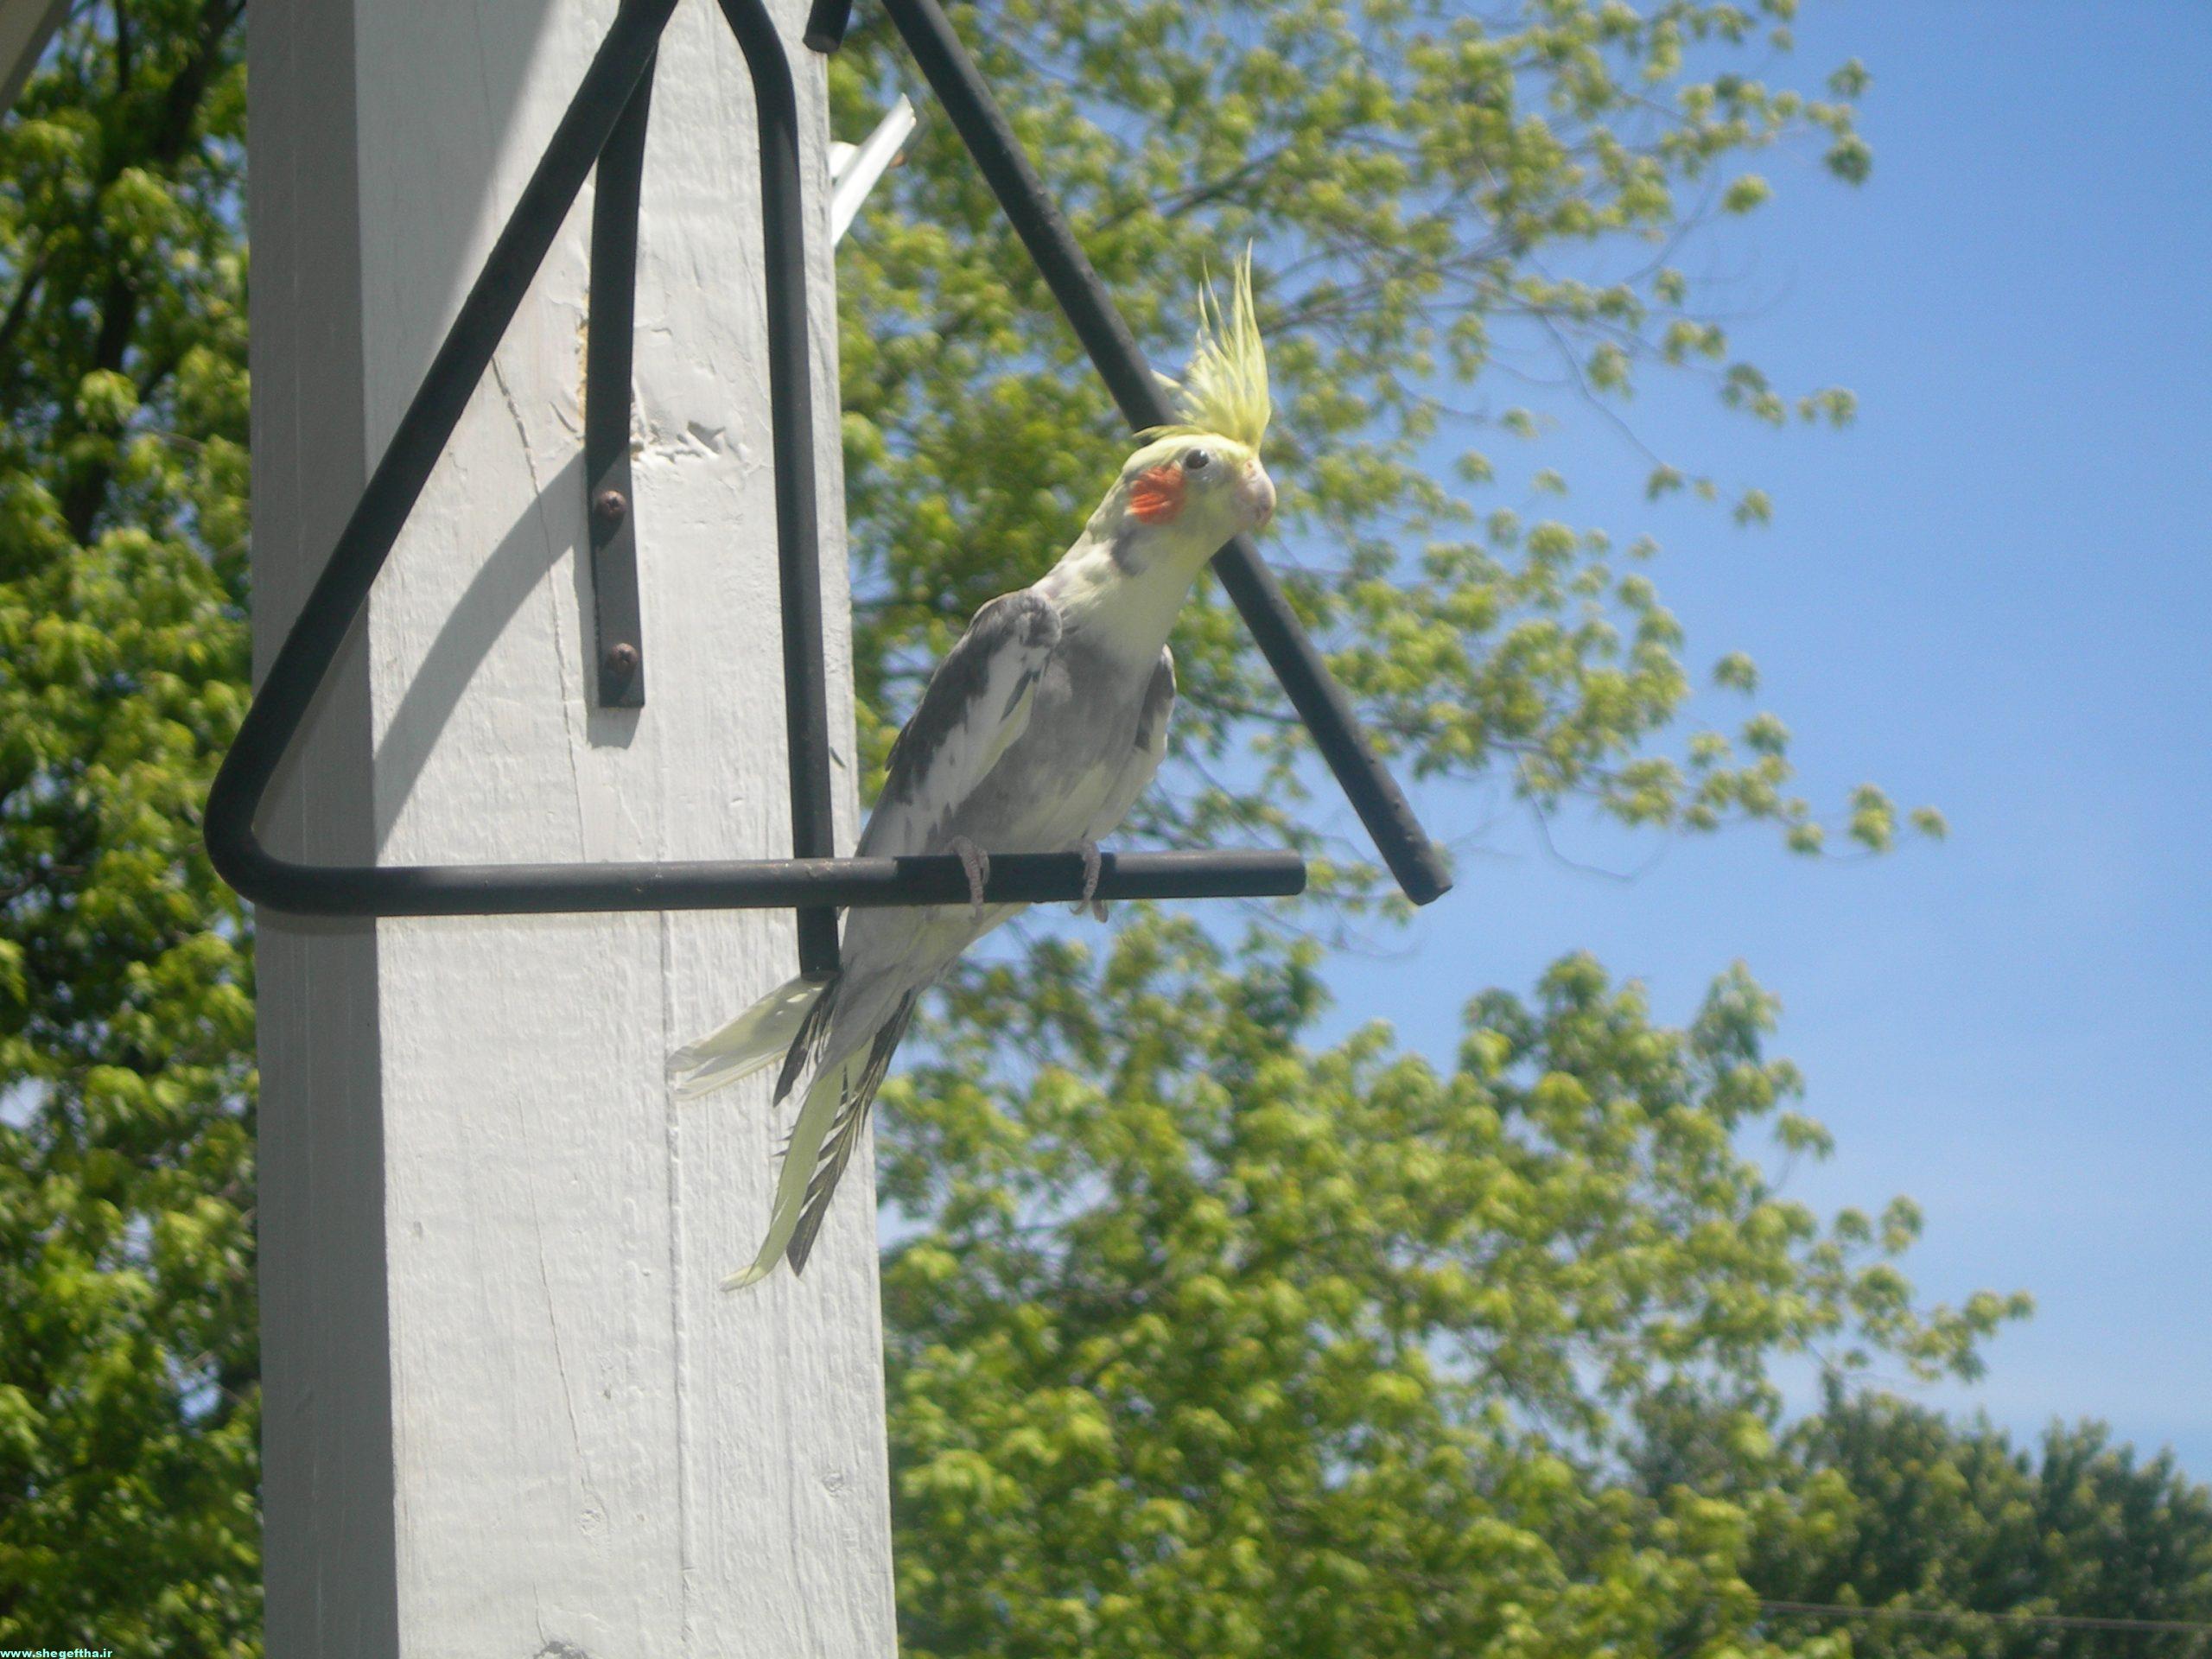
<point>1259,493</point>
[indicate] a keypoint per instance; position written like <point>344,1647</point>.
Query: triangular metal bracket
<point>604,125</point>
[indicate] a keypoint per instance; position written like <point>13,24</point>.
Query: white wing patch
<point>977,703</point>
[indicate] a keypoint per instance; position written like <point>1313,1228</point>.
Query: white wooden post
<point>508,1410</point>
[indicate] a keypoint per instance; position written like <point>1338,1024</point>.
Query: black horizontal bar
<point>762,884</point>
<point>1320,702</point>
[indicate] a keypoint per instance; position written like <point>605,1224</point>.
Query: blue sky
<point>1991,594</point>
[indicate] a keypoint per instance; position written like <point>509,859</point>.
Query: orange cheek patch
<point>1157,496</point>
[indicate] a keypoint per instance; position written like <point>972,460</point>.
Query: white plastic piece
<point>854,168</point>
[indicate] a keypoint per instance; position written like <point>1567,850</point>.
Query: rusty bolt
<point>610,507</point>
<point>622,660</point>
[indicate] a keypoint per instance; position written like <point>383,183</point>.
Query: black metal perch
<point>604,125</point>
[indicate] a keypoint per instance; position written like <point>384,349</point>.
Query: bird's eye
<point>1197,461</point>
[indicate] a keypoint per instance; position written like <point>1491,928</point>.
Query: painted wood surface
<point>509,1412</point>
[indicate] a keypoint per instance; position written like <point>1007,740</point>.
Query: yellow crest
<point>1224,390</point>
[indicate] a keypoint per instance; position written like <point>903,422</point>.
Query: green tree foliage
<point>1897,1507</point>
<point>127,1398</point>
<point>1215,1343</point>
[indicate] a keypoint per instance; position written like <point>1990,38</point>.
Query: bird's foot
<point>1090,901</point>
<point>977,864</point>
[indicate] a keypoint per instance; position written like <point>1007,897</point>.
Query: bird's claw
<point>977,864</point>
<point>1090,901</point>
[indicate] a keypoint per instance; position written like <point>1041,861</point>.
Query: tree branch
<point>120,306</point>
<point>20,307</point>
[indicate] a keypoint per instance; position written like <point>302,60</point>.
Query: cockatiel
<point>1037,734</point>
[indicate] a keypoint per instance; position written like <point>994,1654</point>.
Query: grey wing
<point>977,703</point>
<point>1145,754</point>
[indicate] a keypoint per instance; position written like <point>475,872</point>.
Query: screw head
<point>622,660</point>
<point>610,507</point>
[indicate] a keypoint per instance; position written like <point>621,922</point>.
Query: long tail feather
<point>845,1135</point>
<point>764,1032</point>
<point>821,1140</point>
<point>807,1044</point>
